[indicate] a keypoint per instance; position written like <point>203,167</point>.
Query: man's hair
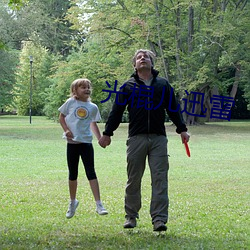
<point>148,52</point>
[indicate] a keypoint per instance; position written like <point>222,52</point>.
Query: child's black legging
<point>86,151</point>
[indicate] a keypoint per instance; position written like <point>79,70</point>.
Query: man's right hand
<point>104,141</point>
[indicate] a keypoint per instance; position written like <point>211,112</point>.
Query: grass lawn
<point>209,192</point>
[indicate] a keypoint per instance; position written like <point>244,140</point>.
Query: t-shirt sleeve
<point>64,109</point>
<point>96,115</point>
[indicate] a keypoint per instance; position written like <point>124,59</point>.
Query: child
<point>78,116</point>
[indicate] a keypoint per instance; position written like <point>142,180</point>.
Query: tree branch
<point>122,31</point>
<point>123,5</point>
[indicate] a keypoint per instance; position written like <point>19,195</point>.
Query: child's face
<point>83,92</point>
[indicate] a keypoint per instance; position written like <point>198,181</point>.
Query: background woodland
<point>201,46</point>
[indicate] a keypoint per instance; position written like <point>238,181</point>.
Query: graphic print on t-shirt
<point>81,112</point>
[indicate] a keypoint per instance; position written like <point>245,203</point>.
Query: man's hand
<point>185,136</point>
<point>104,141</point>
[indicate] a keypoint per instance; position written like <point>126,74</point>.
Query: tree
<point>33,22</point>
<point>192,40</point>
<point>8,64</point>
<point>201,46</point>
<point>45,19</point>
<point>39,80</point>
<point>90,62</point>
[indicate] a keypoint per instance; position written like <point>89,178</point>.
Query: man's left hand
<point>185,136</point>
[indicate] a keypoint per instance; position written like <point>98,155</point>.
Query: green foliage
<point>32,79</point>
<point>57,93</point>
<point>199,44</point>
<point>92,65</point>
<point>17,4</point>
<point>246,82</point>
<point>44,18</point>
<point>190,61</point>
<point>8,64</point>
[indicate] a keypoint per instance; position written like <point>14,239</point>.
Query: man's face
<point>142,61</point>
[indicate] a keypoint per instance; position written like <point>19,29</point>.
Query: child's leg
<point>87,155</point>
<point>73,161</point>
<point>72,189</point>
<point>94,185</point>
<point>73,201</point>
<point>96,192</point>
<point>88,162</point>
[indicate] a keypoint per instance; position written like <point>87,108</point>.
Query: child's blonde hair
<point>77,83</point>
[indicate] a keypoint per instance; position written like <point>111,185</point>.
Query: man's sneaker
<point>101,210</point>
<point>72,208</point>
<point>130,223</point>
<point>159,226</point>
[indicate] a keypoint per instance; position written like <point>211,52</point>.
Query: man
<point>146,136</point>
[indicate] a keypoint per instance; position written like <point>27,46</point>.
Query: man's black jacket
<point>147,107</point>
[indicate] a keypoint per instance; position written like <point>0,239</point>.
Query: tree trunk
<point>178,42</point>
<point>236,82</point>
<point>190,28</point>
<point>214,91</point>
<point>164,64</point>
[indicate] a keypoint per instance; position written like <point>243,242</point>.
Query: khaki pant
<point>153,147</point>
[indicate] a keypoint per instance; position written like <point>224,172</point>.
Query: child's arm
<point>95,129</point>
<point>62,121</point>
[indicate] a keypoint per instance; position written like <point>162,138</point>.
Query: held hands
<point>104,141</point>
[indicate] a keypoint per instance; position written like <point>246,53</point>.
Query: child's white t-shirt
<point>78,116</point>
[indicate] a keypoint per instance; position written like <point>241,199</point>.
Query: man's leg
<point>158,163</point>
<point>136,159</point>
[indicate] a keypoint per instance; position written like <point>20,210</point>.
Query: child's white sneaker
<point>100,209</point>
<point>72,208</point>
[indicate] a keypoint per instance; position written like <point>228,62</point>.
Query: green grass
<point>209,192</point>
